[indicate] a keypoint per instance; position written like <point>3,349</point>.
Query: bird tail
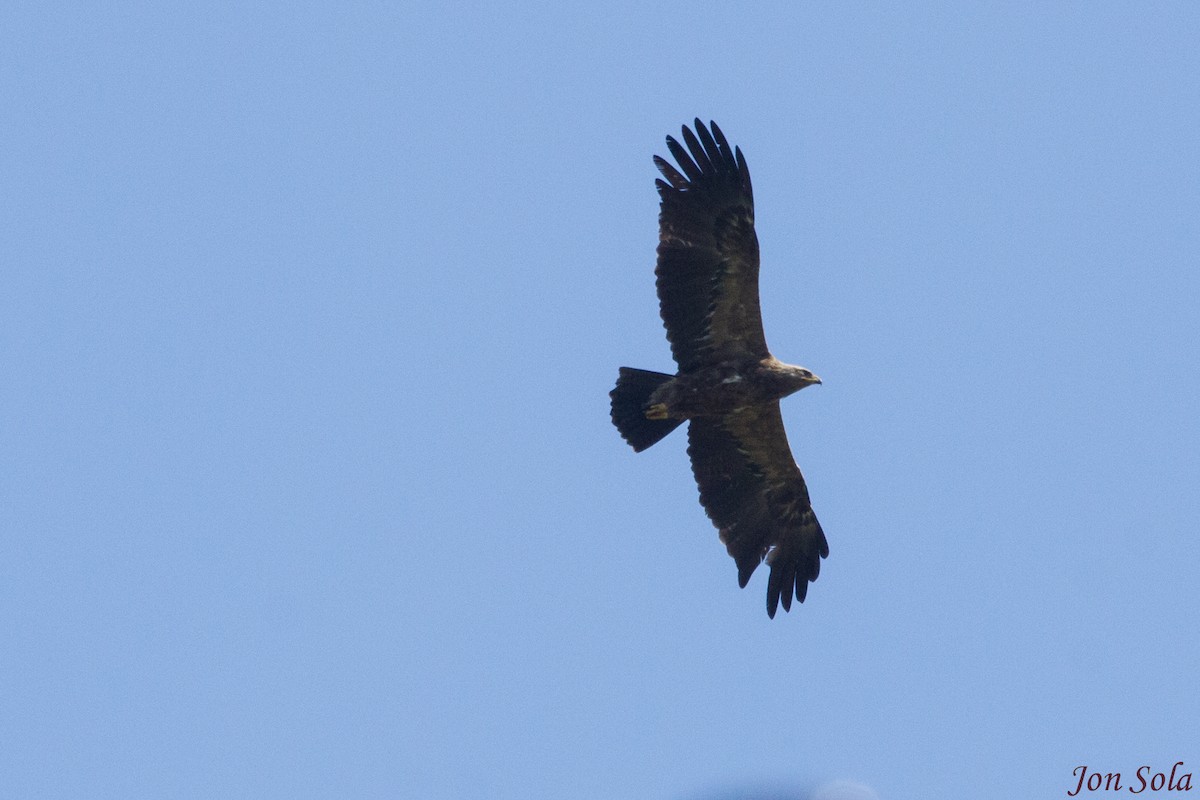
<point>629,399</point>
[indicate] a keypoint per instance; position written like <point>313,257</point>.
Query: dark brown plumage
<point>728,384</point>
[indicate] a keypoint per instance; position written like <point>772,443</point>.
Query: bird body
<point>725,387</point>
<point>728,385</point>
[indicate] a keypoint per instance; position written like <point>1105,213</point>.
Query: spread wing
<point>754,493</point>
<point>708,252</point>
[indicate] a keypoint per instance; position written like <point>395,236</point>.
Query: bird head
<point>803,377</point>
<point>794,378</point>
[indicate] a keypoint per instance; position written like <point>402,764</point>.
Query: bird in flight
<point>728,385</point>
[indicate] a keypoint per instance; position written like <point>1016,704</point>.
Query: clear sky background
<point>308,316</point>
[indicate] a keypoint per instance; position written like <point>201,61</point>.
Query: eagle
<point>728,385</point>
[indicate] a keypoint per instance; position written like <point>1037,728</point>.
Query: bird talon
<point>656,411</point>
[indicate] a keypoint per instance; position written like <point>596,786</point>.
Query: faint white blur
<point>844,790</point>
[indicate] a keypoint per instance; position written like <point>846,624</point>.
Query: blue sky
<point>310,312</point>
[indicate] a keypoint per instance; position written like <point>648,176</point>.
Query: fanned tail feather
<point>629,399</point>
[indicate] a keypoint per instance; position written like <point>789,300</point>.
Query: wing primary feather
<point>672,175</point>
<point>744,573</point>
<point>787,583</point>
<point>710,147</point>
<point>683,159</point>
<point>744,171</point>
<point>723,144</point>
<point>773,593</point>
<point>698,154</point>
